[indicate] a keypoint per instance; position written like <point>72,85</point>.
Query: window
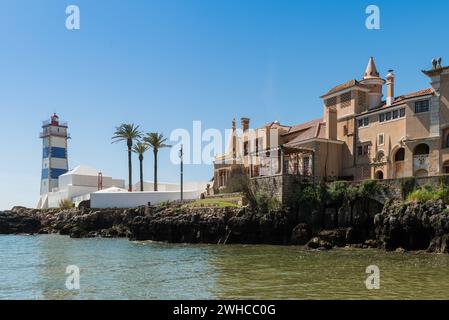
<point>380,139</point>
<point>421,106</point>
<point>359,150</point>
<point>345,99</point>
<point>257,145</point>
<point>363,122</point>
<point>306,164</point>
<point>395,114</point>
<point>392,115</point>
<point>345,130</point>
<point>245,148</point>
<point>363,150</point>
<point>330,102</point>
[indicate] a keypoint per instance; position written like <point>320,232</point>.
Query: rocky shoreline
<point>395,226</point>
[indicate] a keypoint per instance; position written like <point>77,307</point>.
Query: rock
<point>337,237</point>
<point>413,226</point>
<point>317,243</point>
<point>400,250</point>
<point>300,234</point>
<point>372,243</point>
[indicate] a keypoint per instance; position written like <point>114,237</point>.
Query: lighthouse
<point>54,137</point>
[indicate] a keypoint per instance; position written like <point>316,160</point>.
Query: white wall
<point>164,186</point>
<point>135,199</point>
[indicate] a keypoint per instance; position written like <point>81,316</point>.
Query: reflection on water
<point>33,267</point>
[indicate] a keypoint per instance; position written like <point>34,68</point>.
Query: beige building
<point>361,135</point>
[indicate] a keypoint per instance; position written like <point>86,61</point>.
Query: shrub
<point>66,204</point>
<point>163,204</point>
<point>338,191</point>
<point>266,203</point>
<point>428,192</point>
<point>407,186</point>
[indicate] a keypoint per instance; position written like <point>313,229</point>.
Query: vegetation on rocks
<point>66,204</point>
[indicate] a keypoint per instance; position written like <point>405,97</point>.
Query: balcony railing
<point>421,162</point>
<point>54,134</point>
<point>60,124</point>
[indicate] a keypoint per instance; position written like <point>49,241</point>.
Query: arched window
<point>379,175</point>
<point>421,149</point>
<point>447,141</point>
<point>400,155</point>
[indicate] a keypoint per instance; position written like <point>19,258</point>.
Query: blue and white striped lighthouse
<point>54,137</point>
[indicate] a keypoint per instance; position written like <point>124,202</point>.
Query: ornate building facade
<point>360,136</point>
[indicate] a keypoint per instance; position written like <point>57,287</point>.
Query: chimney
<point>331,123</point>
<point>245,124</point>
<point>390,87</point>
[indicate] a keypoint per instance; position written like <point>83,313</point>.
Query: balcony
<point>421,162</point>
<point>60,124</point>
<point>54,134</point>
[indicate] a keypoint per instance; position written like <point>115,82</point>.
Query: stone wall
<point>283,187</point>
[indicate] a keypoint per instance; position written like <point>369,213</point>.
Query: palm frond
<point>140,148</point>
<point>156,141</point>
<point>126,132</point>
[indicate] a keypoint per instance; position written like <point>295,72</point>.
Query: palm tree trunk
<point>155,170</point>
<point>130,168</point>
<point>141,173</point>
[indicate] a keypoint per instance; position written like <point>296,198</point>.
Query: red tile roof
<point>305,131</point>
<point>401,99</point>
<point>304,126</point>
<point>340,87</point>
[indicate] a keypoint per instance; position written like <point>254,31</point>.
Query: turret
<point>373,81</point>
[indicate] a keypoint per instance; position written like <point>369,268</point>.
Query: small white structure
<point>120,198</point>
<point>170,186</point>
<point>77,185</point>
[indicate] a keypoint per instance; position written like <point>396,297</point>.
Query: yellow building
<point>361,136</point>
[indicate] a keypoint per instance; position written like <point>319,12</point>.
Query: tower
<point>374,82</point>
<point>54,137</point>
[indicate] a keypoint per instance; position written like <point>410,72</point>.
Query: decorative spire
<point>371,70</point>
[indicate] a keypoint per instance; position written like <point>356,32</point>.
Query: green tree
<point>155,141</point>
<point>128,133</point>
<point>140,148</point>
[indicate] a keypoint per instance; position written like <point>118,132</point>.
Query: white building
<point>77,185</point>
<point>170,186</point>
<point>120,198</point>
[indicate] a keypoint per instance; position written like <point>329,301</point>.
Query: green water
<point>33,267</point>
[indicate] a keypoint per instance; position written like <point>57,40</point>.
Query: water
<point>33,267</point>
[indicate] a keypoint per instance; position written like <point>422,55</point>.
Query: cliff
<point>361,223</point>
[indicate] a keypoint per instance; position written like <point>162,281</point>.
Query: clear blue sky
<point>163,64</point>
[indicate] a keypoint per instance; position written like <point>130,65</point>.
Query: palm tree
<point>140,148</point>
<point>155,141</point>
<point>128,133</point>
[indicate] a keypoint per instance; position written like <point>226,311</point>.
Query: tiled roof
<point>340,87</point>
<point>304,126</point>
<point>411,95</point>
<point>306,131</point>
<point>402,99</point>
